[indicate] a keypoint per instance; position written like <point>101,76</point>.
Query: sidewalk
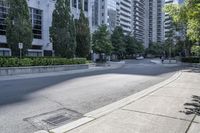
<point>169,107</point>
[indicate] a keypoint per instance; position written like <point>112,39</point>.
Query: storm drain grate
<point>49,120</point>
<point>57,120</point>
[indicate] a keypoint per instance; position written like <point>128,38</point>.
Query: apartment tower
<point>156,21</point>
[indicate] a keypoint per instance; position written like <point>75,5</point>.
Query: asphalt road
<point>27,104</point>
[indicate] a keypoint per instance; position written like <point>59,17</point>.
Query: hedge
<point>190,59</point>
<point>16,62</point>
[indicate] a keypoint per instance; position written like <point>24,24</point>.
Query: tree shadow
<point>193,107</point>
<point>14,91</point>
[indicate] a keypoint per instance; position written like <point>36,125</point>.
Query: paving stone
<point>123,121</point>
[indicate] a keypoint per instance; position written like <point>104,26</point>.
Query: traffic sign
<point>20,45</point>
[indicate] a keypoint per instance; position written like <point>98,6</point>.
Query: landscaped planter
<point>4,71</point>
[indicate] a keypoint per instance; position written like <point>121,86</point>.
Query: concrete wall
<point>40,69</point>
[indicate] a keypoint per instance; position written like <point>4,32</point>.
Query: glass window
<point>86,5</point>
<point>36,19</point>
<point>74,3</point>
<point>3,14</point>
<point>79,4</point>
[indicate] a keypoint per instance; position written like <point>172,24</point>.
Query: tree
<point>101,41</point>
<point>82,35</point>
<point>18,26</point>
<point>131,45</point>
<point>117,39</point>
<point>195,50</point>
<point>187,14</point>
<point>155,49</point>
<point>62,31</point>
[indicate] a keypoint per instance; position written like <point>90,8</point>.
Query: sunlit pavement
<point>173,108</point>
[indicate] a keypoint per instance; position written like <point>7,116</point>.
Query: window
<point>74,4</point>
<point>4,52</point>
<point>79,4</point>
<point>86,5</point>
<point>3,13</point>
<point>36,19</point>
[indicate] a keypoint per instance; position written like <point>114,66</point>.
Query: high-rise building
<point>112,13</point>
<point>41,19</point>
<point>124,15</point>
<point>140,21</point>
<point>104,12</point>
<point>156,21</point>
<point>86,6</point>
<point>143,19</point>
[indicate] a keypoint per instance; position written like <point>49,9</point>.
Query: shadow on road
<point>13,91</point>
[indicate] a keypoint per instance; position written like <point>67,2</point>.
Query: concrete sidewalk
<point>169,107</point>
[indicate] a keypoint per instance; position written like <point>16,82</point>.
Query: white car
<point>139,58</point>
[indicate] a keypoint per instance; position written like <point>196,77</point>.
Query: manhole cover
<point>53,119</point>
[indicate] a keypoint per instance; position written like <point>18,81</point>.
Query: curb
<point>112,107</point>
<point>36,75</point>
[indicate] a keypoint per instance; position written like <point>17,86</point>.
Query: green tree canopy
<point>18,26</point>
<point>117,39</point>
<point>101,40</point>
<point>82,36</point>
<point>155,49</point>
<point>187,14</point>
<point>131,45</point>
<point>195,50</point>
<point>62,31</point>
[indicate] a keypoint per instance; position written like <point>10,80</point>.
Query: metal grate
<point>57,120</point>
<point>49,120</point>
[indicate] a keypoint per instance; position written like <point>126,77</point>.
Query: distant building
<point>112,13</point>
<point>143,19</point>
<point>124,15</point>
<point>156,21</point>
<point>140,21</point>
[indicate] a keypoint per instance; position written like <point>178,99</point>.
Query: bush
<point>16,62</point>
<point>190,59</point>
<point>195,50</point>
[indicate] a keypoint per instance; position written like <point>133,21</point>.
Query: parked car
<point>139,58</point>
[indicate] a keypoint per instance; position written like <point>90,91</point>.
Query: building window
<point>5,52</point>
<point>74,4</point>
<point>79,4</point>
<point>86,5</point>
<point>36,19</point>
<point>3,14</point>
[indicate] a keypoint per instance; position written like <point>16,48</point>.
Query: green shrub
<point>16,62</point>
<point>195,50</point>
<point>25,62</point>
<point>190,59</point>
